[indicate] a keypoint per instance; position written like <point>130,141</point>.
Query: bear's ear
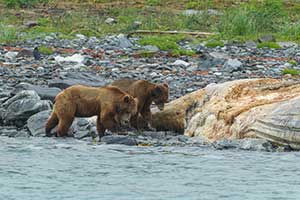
<point>166,85</point>
<point>126,99</point>
<point>156,92</point>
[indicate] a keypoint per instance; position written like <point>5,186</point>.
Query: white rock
<point>78,58</point>
<point>80,36</point>
<point>181,63</point>
<point>110,20</point>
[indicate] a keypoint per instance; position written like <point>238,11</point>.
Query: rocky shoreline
<point>28,86</point>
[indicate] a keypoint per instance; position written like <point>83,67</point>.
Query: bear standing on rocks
<point>112,106</point>
<point>146,93</point>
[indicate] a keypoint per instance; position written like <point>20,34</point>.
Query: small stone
<point>30,24</point>
<point>267,38</point>
<point>80,36</point>
<point>110,21</point>
<point>119,139</point>
<point>232,65</point>
<point>151,48</point>
<point>136,24</point>
<point>11,56</point>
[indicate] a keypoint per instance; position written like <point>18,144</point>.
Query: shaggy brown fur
<point>146,93</point>
<point>112,106</point>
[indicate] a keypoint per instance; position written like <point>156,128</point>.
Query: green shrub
<point>214,43</point>
<point>291,71</point>
<point>23,3</point>
<point>270,45</point>
<point>162,42</point>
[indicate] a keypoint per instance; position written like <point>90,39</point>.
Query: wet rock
<point>45,93</point>
<point>36,123</point>
<point>225,144</point>
<point>119,139</point>
<point>255,145</point>
<point>267,38</point>
<point>72,78</point>
<point>20,107</point>
<point>82,128</point>
<point>233,65</point>
<point>11,131</point>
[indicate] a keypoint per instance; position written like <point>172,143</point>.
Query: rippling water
<point>43,168</point>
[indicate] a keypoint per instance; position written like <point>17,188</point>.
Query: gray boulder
<point>73,78</point>
<point>36,123</point>
<point>23,105</point>
<point>46,93</point>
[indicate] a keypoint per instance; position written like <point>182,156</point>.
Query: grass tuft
<point>292,72</point>
<point>45,50</point>
<point>270,45</point>
<point>214,43</point>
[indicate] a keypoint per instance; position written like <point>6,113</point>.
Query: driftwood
<point>197,34</point>
<point>265,108</point>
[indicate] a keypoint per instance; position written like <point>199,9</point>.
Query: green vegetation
<point>270,45</point>
<point>167,43</point>
<point>293,72</point>
<point>237,20</point>
<point>214,43</point>
<point>153,2</point>
<point>45,50</point>
<point>7,33</point>
<point>23,3</point>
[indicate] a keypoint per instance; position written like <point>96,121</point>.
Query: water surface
<point>56,169</point>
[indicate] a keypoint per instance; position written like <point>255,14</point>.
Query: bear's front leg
<point>100,127</point>
<point>146,114</point>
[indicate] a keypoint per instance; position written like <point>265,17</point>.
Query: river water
<point>56,169</point>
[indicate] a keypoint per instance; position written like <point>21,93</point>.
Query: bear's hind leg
<point>63,127</point>
<point>51,123</point>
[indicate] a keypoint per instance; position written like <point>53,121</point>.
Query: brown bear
<point>146,93</point>
<point>112,106</point>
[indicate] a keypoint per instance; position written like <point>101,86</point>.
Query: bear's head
<point>160,95</point>
<point>126,107</point>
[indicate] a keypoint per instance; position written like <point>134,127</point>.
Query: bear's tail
<point>51,123</point>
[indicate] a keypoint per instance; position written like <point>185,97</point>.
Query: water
<point>56,169</point>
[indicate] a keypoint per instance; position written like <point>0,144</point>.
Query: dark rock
<point>83,78</point>
<point>12,131</point>
<point>119,139</point>
<point>225,144</point>
<point>45,93</point>
<point>267,38</point>
<point>36,123</point>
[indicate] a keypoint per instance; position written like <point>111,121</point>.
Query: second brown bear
<point>146,93</point>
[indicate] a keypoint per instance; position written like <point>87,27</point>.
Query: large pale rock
<point>264,108</point>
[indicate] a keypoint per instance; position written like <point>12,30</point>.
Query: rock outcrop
<point>248,108</point>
